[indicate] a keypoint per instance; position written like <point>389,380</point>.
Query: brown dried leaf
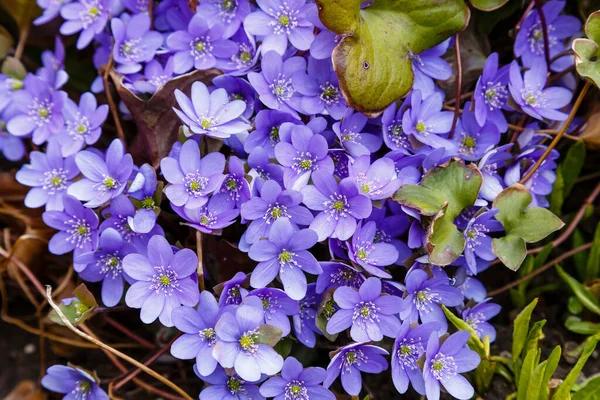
<point>21,11</point>
<point>26,390</point>
<point>591,132</point>
<point>158,126</point>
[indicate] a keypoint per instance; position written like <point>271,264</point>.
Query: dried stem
<point>23,39</point>
<point>127,332</point>
<point>111,350</point>
<point>560,134</point>
<point>200,252</point>
<point>540,10</point>
<point>111,102</point>
<point>458,84</point>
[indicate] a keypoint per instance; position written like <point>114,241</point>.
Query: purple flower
<point>246,55</point>
<point>213,216</point>
<point>285,253</point>
<point>192,179</point>
<point>528,92</point>
<point>541,182</point>
<point>371,315</point>
<point>263,170</point>
<point>277,308</point>
<point>155,76</point>
<point>307,153</point>
<point>479,243</point>
<point>10,84</point>
<point>267,124</point>
<point>103,179</point>
<point>75,383</point>
<point>272,204</point>
<point>296,382</point>
<point>351,136</point>
<point>339,206</point>
<point>83,123</point>
<point>478,316</point>
<point>473,140</point>
<point>424,297</point>
<point>429,65</point>
<point>279,21</point>
<point>134,43</point>
<point>231,13</point>
<point>239,345</point>
<point>409,346</point>
<point>233,292</point>
<point>40,110</point>
<point>230,387</point>
<point>53,63</point>
<point>370,254</point>
<point>351,361</point>
<point>106,264</point>
<point>77,226</point>
<point>235,184</point>
<point>444,363</point>
<point>389,228</point>
<point>425,120</point>
<point>135,6</point>
<point>377,181</point>
<point>199,336</point>
<point>491,94</point>
<point>320,89</point>
<point>86,16</point>
<point>393,135</point>
<point>211,114</point>
<point>164,280</point>
<point>489,165</point>
<point>304,322</point>
<point>12,147</point>
<point>144,190</point>
<point>274,83</point>
<point>51,10</point>
<point>336,274</point>
<point>238,89</point>
<point>200,46</point>
<point>49,175</point>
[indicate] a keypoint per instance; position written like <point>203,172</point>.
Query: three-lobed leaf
<point>587,50</point>
<point>373,60</point>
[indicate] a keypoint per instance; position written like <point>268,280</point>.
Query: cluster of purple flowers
<point>304,171</point>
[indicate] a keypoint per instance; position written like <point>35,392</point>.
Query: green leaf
<point>526,372</point>
<point>562,393</point>
<point>572,165</point>
<point>373,60</point>
<point>522,224</point>
<point>521,330</point>
<point>542,256</point>
<point>580,258</point>
<point>13,68</point>
<point>589,391</point>
<point>588,50</point>
<point>444,192</point>
<point>552,364</point>
<point>474,342</point>
<point>77,309</point>
<point>593,262</point>
<point>534,336</point>
<point>535,382</point>
<point>585,297</point>
<point>574,305</point>
<point>488,5</point>
<point>575,324</point>
<point>557,197</point>
<point>269,335</point>
<point>284,347</point>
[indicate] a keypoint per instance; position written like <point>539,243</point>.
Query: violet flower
<point>529,93</point>
<point>212,217</point>
<point>200,46</point>
<point>211,114</point>
<point>103,179</point>
<point>336,274</point>
<point>235,184</point>
<point>266,131</point>
<point>144,189</point>
<point>155,76</point>
<point>135,43</point>
<point>231,13</point>
<point>349,132</point>
<point>351,361</point>
<point>49,175</point>
<point>246,55</point>
<point>192,179</point>
<point>394,136</point>
<point>478,242</point>
<point>444,363</point>
<point>296,382</point>
<point>233,292</point>
<point>339,206</point>
<point>472,139</point>
<point>489,165</point>
<point>425,120</point>
<point>51,10</point>
<point>239,346</point>
<point>263,170</point>
<point>378,180</point>
<point>279,21</point>
<point>231,387</point>
<point>106,264</point>
<point>303,323</point>
<point>238,89</point>
<point>73,382</point>
<point>491,94</point>
<point>371,315</point>
<point>164,280</point>
<point>277,308</point>
<point>86,16</point>
<point>83,123</point>
<point>11,147</point>
<point>477,317</point>
<point>370,254</point>
<point>389,227</point>
<point>285,253</point>
<point>429,65</point>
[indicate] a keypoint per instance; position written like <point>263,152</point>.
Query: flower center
<point>424,300</point>
<point>282,88</point>
<point>329,94</point>
<point>55,180</point>
<point>200,47</point>
<point>304,162</point>
<point>420,127</point>
<point>79,230</point>
<point>274,212</point>
<point>409,351</point>
<point>164,280</point>
<point>396,135</point>
<point>475,231</point>
<point>365,312</point>
<point>148,203</point>
<point>352,357</point>
<point>329,309</point>
<point>274,135</point>
<point>248,341</point>
<point>208,335</point>
<point>285,19</point>
<point>14,84</point>
<point>295,390</point>
<point>235,385</point>
<point>337,206</point>
<point>286,257</point>
<point>92,12</point>
<point>194,183</point>
<point>495,95</point>
<point>234,295</point>
<point>534,97</point>
<point>110,183</point>
<point>110,263</point>
<point>443,366</point>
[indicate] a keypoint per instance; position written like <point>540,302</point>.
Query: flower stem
<point>199,251</point>
<point>458,84</point>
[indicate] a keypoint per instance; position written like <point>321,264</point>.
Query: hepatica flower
<point>409,346</point>
<point>491,94</point>
<point>103,179</point>
<point>336,274</point>
<point>200,46</point>
<point>296,382</point>
<point>11,147</point>
<point>51,10</point>
<point>199,335</point>
<point>134,43</point>
<point>378,180</point>
<point>83,123</point>
<point>223,386</point>
<point>49,175</point>
<point>279,21</point>
<point>473,140</point>
<point>156,75</point>
<point>529,93</point>
<point>285,253</point>
<point>231,13</point>
<point>478,315</point>
<point>304,324</point>
<point>479,243</point>
<point>192,179</point>
<point>144,189</point>
<point>277,308</point>
<point>238,89</point>
<point>429,65</point>
<point>351,361</point>
<point>86,16</point>
<point>106,264</point>
<point>369,254</point>
<point>213,216</point>
<point>233,292</point>
<point>74,383</point>
<point>425,120</point>
<point>350,134</point>
<point>239,346</point>
<point>164,280</point>
<point>235,185</point>
<point>211,114</point>
<point>444,363</point>
<point>266,131</point>
<point>391,124</point>
<point>339,206</point>
<point>371,315</point>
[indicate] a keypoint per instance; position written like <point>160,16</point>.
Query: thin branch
<point>109,349</point>
<point>458,84</point>
<point>541,269</point>
<point>200,252</point>
<point>127,332</point>
<point>23,38</point>
<point>111,102</point>
<point>540,11</point>
<point>24,268</point>
<point>525,14</point>
<point>560,134</point>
